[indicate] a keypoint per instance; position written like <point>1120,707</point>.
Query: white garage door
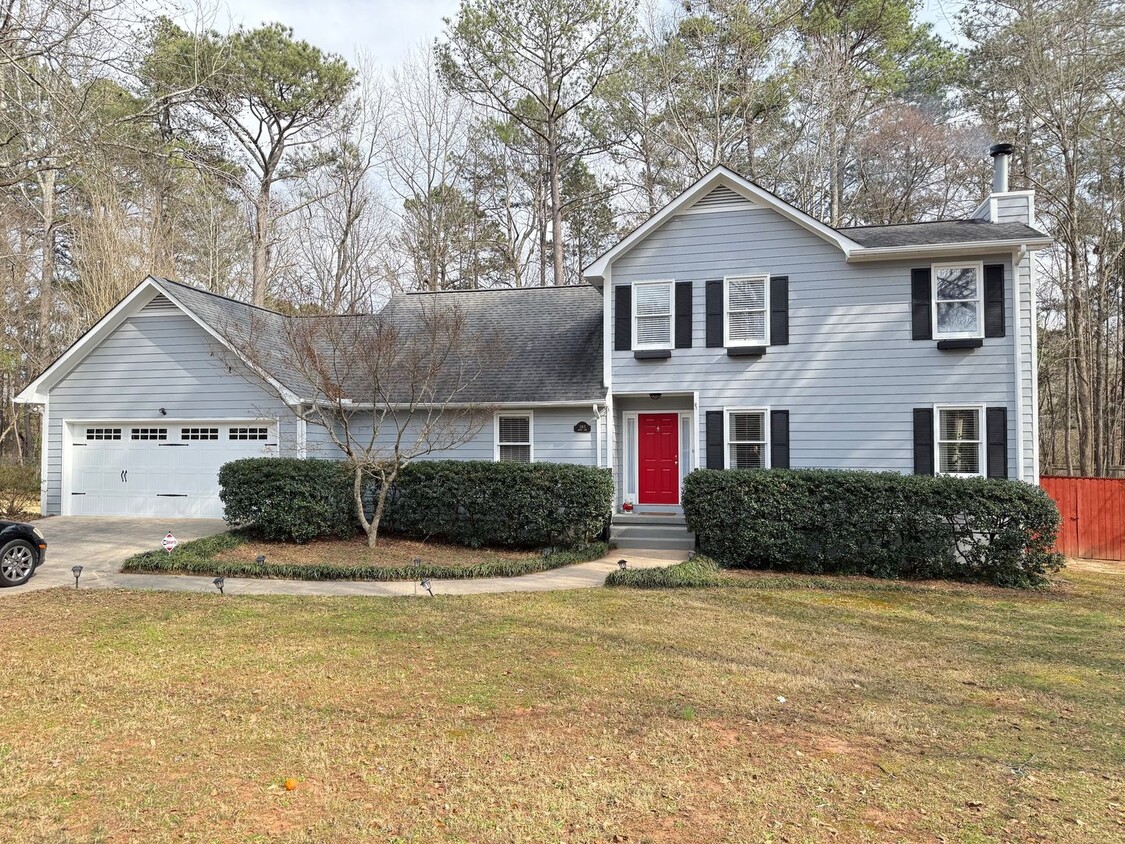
<point>163,468</point>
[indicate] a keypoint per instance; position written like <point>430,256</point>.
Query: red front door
<point>658,450</point>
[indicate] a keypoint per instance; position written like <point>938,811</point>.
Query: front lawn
<point>918,713</point>
<point>235,554</point>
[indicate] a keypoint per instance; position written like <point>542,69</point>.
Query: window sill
<point>745,351</point>
<point>652,354</point>
<point>963,343</point>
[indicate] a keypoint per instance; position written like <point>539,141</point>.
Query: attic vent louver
<point>160,304</point>
<point>722,199</point>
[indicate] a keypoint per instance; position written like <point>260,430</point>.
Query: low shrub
<point>695,572</point>
<point>19,491</point>
<point>288,499</point>
<point>878,524</point>
<point>197,558</point>
<point>504,505</point>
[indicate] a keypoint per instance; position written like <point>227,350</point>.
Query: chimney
<point>1001,153</point>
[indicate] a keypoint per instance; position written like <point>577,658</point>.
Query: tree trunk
<point>47,273</point>
<point>261,236</point>
<point>553,164</point>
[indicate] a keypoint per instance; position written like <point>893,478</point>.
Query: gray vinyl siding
<point>553,434</point>
<point>157,359</point>
<point>1013,208</point>
<point>850,376</point>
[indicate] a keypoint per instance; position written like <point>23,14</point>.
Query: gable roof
<point>722,177</point>
<point>720,189</point>
<point>551,340</point>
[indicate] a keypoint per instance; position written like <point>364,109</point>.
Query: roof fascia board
<point>932,250</point>
<point>720,176</point>
<point>141,295</point>
<point>286,395</point>
<point>354,407</point>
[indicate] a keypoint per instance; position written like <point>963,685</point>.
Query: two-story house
<point>730,330</point>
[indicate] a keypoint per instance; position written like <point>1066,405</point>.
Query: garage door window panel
<point>149,434</point>
<point>103,433</point>
<point>199,433</point>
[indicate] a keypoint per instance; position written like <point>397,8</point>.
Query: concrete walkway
<point>101,544</point>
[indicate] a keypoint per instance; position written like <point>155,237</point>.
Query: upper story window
<point>745,310</point>
<point>652,315</point>
<point>746,439</point>
<point>960,446</point>
<point>957,301</point>
<point>513,437</point>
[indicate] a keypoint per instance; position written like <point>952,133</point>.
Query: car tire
<point>18,560</point>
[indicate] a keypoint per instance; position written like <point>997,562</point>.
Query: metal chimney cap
<point>1001,149</point>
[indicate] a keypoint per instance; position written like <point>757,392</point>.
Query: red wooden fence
<point>1093,516</point>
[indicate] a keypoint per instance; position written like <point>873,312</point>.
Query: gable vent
<point>159,305</point>
<point>722,199</point>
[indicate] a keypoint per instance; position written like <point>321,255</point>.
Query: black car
<point>22,550</point>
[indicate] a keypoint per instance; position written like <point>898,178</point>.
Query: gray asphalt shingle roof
<point>940,232</point>
<point>519,345</point>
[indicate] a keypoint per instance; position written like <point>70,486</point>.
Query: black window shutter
<point>996,438</point>
<point>994,300</point>
<point>715,313</point>
<point>920,304</point>
<point>779,439</point>
<point>779,310</point>
<point>683,314</point>
<point>923,440</point>
<point>623,318</point>
<point>715,446</point>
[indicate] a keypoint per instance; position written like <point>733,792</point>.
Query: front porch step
<point>662,532</point>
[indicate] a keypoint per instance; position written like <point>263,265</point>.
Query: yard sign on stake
<point>169,542</point>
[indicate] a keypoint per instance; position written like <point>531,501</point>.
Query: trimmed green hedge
<point>879,524</point>
<point>289,499</point>
<point>507,505</point>
<point>695,572</point>
<point>197,557</point>
<point>474,503</point>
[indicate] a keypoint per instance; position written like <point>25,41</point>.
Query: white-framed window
<point>103,433</point>
<point>514,437</point>
<point>958,294</point>
<point>199,433</point>
<point>748,442</point>
<point>249,433</point>
<point>959,440</point>
<point>149,434</point>
<point>653,307</point>
<point>746,310</point>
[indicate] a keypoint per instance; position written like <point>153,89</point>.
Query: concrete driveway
<point>101,543</point>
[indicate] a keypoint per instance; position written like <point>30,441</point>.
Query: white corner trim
<point>44,438</point>
<point>607,331</point>
<point>1017,360</point>
<point>1034,329</point>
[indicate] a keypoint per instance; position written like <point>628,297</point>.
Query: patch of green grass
<point>698,571</point>
<point>204,557</point>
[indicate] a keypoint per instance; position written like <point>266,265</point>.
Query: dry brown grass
<point>943,713</point>
<point>391,552</point>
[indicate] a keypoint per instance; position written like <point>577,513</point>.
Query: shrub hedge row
<point>879,524</point>
<point>473,503</point>
<point>289,499</point>
<point>197,558</point>
<point>695,572</point>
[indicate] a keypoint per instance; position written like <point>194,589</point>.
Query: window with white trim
<point>652,315</point>
<point>958,307</point>
<point>249,433</point>
<point>149,434</point>
<point>103,433</point>
<point>513,438</point>
<point>960,445</point>
<point>745,310</point>
<point>199,433</point>
<point>747,441</point>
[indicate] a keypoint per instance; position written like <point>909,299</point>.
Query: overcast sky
<point>387,29</point>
